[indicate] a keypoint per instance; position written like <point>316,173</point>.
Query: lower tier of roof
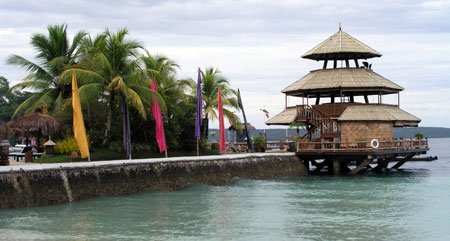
<point>360,112</point>
<point>326,82</point>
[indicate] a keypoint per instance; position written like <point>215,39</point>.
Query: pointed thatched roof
<point>286,117</point>
<point>3,129</point>
<point>341,46</point>
<point>36,123</point>
<point>241,127</point>
<point>379,113</point>
<point>361,80</point>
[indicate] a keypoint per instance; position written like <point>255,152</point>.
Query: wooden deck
<point>391,147</point>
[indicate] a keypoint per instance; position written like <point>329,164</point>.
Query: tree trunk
<point>108,121</point>
<point>206,127</point>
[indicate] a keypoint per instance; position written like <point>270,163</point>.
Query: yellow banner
<point>79,131</point>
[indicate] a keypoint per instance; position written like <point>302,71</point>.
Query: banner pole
<point>197,148</point>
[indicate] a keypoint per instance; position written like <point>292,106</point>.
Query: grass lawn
<point>105,154</point>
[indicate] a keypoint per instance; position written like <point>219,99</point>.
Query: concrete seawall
<point>38,185</point>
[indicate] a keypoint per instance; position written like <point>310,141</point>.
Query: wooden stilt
<point>336,167</point>
<point>382,165</point>
<point>360,167</point>
<point>306,163</point>
<point>401,162</point>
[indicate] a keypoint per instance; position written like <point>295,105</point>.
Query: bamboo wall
<point>354,130</point>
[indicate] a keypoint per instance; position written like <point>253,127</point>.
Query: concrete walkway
<point>13,162</point>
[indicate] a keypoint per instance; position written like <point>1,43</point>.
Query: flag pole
<point>165,152</point>
<point>198,116</point>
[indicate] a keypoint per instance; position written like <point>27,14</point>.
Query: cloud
<point>257,44</point>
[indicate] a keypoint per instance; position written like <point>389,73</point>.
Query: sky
<point>257,44</point>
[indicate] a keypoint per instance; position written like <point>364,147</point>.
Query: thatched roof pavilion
<point>343,124</point>
<point>36,124</point>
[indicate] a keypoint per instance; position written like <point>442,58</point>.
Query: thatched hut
<point>36,124</point>
<point>239,129</point>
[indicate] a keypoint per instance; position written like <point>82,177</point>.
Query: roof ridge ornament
<point>340,29</point>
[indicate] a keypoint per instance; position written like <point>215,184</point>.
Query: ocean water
<point>410,204</point>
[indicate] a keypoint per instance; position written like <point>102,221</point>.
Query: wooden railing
<point>401,144</point>
<point>318,119</point>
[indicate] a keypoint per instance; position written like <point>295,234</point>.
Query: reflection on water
<point>412,204</point>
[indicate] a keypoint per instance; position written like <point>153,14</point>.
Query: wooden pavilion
<point>347,121</point>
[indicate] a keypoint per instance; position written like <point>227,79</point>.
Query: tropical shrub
<point>67,146</point>
<point>419,136</point>
<point>259,142</point>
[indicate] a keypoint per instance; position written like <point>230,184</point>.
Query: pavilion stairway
<point>319,125</point>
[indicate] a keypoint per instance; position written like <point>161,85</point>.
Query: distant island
<point>409,132</point>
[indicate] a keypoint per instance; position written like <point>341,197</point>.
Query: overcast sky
<point>257,44</point>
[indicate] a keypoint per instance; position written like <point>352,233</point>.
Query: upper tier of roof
<point>358,80</point>
<point>341,46</point>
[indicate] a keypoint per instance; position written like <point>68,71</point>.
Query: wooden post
<point>356,63</point>
<point>335,64</point>
<point>347,64</point>
<point>285,101</point>
<point>336,167</point>
<point>360,167</point>
<point>325,64</point>
<point>366,99</point>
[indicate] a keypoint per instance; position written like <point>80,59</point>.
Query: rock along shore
<point>47,184</point>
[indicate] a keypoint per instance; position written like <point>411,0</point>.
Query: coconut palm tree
<point>211,81</point>
<point>53,55</point>
<point>173,91</point>
<point>109,69</point>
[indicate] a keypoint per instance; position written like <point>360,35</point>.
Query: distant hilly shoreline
<point>409,132</point>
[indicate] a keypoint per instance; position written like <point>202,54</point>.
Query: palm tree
<point>211,81</point>
<point>53,55</point>
<point>173,91</point>
<point>109,69</point>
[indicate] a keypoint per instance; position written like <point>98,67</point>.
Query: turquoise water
<point>412,204</point>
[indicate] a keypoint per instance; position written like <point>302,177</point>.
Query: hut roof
<point>241,127</point>
<point>3,129</point>
<point>379,113</point>
<point>346,79</point>
<point>286,117</point>
<point>35,123</point>
<point>341,46</point>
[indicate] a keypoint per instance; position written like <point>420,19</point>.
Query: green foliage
<point>53,55</point>
<point>212,79</point>
<point>419,136</point>
<point>259,142</point>
<point>10,102</point>
<point>67,146</point>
